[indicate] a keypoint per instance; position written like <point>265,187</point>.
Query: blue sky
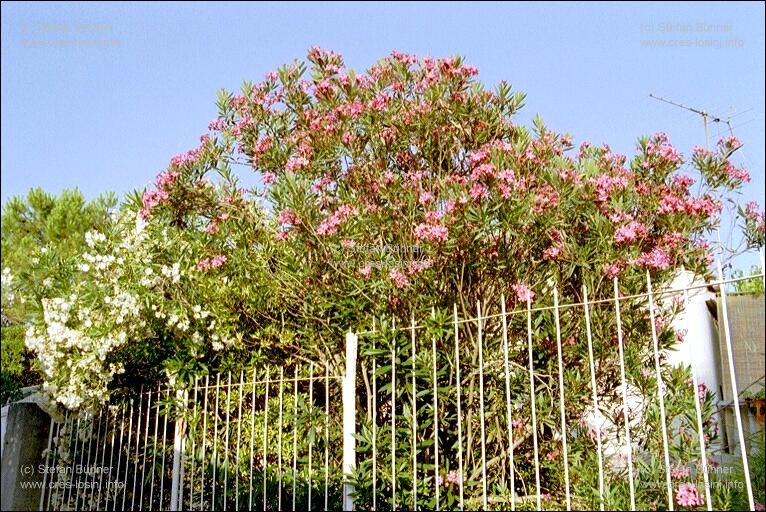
<point>101,95</point>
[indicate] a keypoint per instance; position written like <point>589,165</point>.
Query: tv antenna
<point>703,113</point>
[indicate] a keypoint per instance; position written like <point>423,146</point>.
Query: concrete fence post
<point>23,461</point>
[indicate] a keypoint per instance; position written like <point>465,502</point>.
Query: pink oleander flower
<point>218,261</point>
<point>263,145</point>
<point>552,252</point>
<point>523,292</point>
<point>656,259</point>
<point>680,472</point>
<point>759,506</point>
<point>553,455</point>
<point>296,162</point>
<point>269,178</point>
<point>399,279</point>
<point>425,197</point>
<point>330,225</point>
<point>729,143</point>
<point>687,495</point>
<point>611,270</point>
<point>216,125</point>
<point>453,478</point>
<point>288,216</point>
<point>190,156</point>
<point>433,233</point>
<point>630,232</point>
<point>479,192</point>
<point>701,391</point>
<point>517,424</point>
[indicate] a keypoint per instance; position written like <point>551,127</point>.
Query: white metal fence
<point>306,437</point>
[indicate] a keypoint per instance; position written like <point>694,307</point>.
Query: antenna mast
<point>704,114</point>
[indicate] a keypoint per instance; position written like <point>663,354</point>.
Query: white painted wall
<point>700,346</point>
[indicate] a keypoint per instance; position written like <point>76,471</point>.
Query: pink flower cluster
<point>606,185</point>
<point>630,232</point>
<point>216,125</point>
<point>432,231</point>
<point>152,198</point>
<point>680,472</point>
<point>656,259</point>
<point>523,292</point>
<point>398,278</point>
<point>215,223</point>
<point>729,143</point>
<point>330,225</point>
<point>288,216</point>
<point>660,147</point>
<point>296,162</point>
<point>687,495</point>
<point>182,159</point>
<point>452,479</point>
<point>209,263</point>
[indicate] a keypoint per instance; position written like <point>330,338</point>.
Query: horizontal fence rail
<point>447,412</point>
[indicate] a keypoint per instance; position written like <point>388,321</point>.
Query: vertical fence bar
<point>164,450</point>
<point>87,462</point>
<point>698,412</point>
<point>508,400</point>
<point>311,415</point>
<point>226,446</point>
<point>326,434</point>
<point>624,384</point>
<point>279,435</point>
<point>561,396</point>
<point>735,389</point>
<point>193,448</point>
<point>154,450</point>
<point>481,408</point>
<point>436,416</point>
<point>56,458</point>
<point>119,458</point>
<point>215,438</point>
<point>74,460</point>
<point>47,461</point>
<point>532,399</point>
<point>94,468</point>
<point>135,465</point>
<point>146,443</point>
<point>660,393</point>
<point>127,454</point>
<point>393,419</point>
<point>374,423</point>
<point>459,408</point>
<point>295,433</point>
<point>265,432</point>
<point>594,390</point>
<point>252,443</point>
<point>204,445</point>
<point>176,480</point>
<point>239,436</point>
<point>414,423</point>
<point>103,459</point>
<point>349,420</point>
<point>82,458</point>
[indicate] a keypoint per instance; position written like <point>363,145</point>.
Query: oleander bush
<point>406,190</point>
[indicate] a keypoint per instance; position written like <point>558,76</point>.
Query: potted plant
<point>756,402</point>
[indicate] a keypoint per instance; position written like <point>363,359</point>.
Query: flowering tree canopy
<point>387,193</point>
